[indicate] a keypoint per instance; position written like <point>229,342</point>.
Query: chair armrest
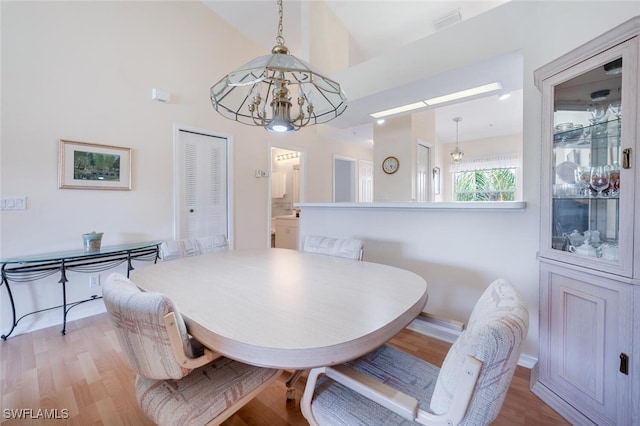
<point>400,403</point>
<point>390,398</point>
<point>461,397</point>
<point>178,350</point>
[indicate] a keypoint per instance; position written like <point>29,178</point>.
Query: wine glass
<point>597,113</point>
<point>583,177</point>
<point>599,179</point>
<point>614,179</point>
<point>615,108</point>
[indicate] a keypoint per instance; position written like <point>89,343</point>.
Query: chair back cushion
<point>497,327</point>
<point>176,249</point>
<point>213,244</point>
<point>138,321</point>
<point>347,248</point>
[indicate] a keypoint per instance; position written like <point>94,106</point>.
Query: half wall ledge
<point>460,205</point>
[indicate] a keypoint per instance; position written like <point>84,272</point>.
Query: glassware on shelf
<point>609,251</point>
<point>597,113</point>
<point>614,179</point>
<point>583,179</point>
<point>615,108</point>
<point>599,179</point>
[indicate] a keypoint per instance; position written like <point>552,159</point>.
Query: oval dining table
<point>287,309</point>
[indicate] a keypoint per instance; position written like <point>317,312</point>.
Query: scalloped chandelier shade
<point>259,93</point>
<point>457,154</point>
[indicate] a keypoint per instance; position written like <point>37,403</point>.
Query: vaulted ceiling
<point>377,27</point>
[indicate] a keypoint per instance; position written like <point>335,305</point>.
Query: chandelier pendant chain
<point>279,37</point>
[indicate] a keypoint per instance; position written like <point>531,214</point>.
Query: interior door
<point>365,181</point>
<point>201,185</point>
<point>344,180</point>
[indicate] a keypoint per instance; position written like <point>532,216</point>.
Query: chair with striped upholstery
<point>388,386</point>
<point>176,249</point>
<point>347,248</point>
<point>178,381</point>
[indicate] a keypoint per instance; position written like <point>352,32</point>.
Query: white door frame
<point>429,188</point>
<point>177,127</point>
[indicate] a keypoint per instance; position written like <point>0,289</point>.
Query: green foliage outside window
<point>485,185</point>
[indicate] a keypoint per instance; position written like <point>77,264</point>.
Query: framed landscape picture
<point>91,166</point>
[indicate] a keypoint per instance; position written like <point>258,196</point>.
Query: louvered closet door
<point>201,196</point>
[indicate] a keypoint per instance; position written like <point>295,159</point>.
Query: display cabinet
<point>587,363</point>
<point>588,176</point>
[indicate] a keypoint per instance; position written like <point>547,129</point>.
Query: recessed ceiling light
<point>440,99</point>
<point>380,121</point>
<point>397,110</point>
<point>464,93</point>
<point>504,96</point>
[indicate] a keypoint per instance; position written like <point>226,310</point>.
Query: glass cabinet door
<point>589,160</point>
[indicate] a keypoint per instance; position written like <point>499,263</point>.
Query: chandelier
<point>457,154</point>
<point>243,94</point>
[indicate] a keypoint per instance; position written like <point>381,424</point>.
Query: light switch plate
<point>13,203</point>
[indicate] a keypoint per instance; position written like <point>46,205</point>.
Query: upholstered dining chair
<point>178,381</point>
<point>390,387</point>
<point>176,249</point>
<point>347,248</point>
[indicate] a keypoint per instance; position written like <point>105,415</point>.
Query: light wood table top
<point>287,309</point>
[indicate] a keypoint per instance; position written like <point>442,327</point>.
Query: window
<point>485,179</point>
<point>485,185</point>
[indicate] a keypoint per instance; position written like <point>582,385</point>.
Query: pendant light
<point>457,154</point>
<point>259,93</point>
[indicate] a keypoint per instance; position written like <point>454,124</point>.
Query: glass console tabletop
<point>80,253</point>
<point>33,267</point>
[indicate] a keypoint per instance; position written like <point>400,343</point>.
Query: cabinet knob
<point>624,363</point>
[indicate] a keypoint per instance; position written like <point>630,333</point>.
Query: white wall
<point>319,167</point>
<point>393,138</point>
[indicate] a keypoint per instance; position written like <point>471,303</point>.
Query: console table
<point>35,267</point>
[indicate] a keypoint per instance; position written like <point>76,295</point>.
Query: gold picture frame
<point>85,165</point>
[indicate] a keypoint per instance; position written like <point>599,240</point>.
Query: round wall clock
<point>390,165</point>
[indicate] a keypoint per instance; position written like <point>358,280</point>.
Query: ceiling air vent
<point>447,20</point>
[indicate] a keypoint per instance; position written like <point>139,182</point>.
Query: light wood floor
<point>84,373</point>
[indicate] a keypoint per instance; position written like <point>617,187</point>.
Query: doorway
<point>344,180</point>
<point>286,189</point>
<point>202,192</point>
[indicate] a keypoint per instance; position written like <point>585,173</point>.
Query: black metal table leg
<point>5,281</point>
<point>63,281</point>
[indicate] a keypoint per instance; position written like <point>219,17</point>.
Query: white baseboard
<point>449,334</point>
